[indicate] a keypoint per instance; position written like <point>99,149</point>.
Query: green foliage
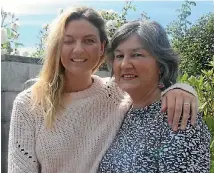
<point>204,85</point>
<point>144,16</point>
<point>178,27</point>
<point>40,47</point>
<point>197,46</point>
<point>194,42</point>
<point>10,35</point>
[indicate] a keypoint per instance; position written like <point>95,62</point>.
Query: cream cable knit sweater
<point>80,135</point>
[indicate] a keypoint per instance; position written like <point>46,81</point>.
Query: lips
<point>78,59</point>
<point>128,76</point>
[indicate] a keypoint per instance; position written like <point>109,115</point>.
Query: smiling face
<point>135,69</point>
<point>81,48</point>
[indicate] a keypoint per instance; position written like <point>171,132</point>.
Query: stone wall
<point>16,70</point>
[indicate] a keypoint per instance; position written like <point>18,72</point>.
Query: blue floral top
<point>146,144</point>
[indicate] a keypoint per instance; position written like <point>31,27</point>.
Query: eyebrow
<point>88,35</point>
<point>136,49</point>
<point>117,50</point>
<point>68,35</point>
<point>140,48</point>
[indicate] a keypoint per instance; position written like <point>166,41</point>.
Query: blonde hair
<point>48,90</point>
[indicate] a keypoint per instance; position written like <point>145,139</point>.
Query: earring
<point>161,85</point>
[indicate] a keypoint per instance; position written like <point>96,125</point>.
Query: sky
<point>33,15</point>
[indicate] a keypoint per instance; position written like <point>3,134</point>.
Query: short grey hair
<point>155,41</point>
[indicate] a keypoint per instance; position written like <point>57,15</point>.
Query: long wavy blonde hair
<point>48,90</point>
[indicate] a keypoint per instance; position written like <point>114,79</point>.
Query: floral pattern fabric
<point>146,144</point>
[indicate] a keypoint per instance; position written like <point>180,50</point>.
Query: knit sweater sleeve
<point>182,86</point>
<point>21,154</point>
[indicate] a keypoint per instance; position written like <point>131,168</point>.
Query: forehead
<point>130,43</point>
<point>81,27</point>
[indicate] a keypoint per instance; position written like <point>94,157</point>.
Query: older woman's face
<point>134,68</point>
<point>81,49</point>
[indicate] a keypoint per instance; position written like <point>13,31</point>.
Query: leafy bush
<point>195,42</point>
<point>9,33</point>
<point>197,46</point>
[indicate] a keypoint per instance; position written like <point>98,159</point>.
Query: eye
<point>137,55</point>
<point>89,41</point>
<point>119,56</point>
<point>68,41</point>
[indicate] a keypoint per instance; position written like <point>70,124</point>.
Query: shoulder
<point>105,81</point>
<point>24,97</point>
<point>192,134</point>
<point>200,129</point>
<point>22,111</point>
<point>112,90</point>
<point>109,84</point>
<point>30,82</point>
<point>23,103</point>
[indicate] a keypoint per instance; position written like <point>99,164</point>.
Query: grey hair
<point>155,41</point>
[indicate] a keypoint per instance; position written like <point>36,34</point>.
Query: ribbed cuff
<point>182,86</point>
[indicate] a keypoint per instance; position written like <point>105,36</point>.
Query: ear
<point>102,48</point>
<point>160,70</point>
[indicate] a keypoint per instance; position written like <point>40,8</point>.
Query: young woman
<point>68,118</point>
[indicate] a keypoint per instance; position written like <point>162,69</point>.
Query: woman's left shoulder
<point>198,131</point>
<point>201,125</point>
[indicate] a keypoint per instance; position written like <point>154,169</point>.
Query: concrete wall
<point>16,70</point>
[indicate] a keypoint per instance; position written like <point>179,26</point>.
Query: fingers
<point>170,108</point>
<point>193,113</point>
<point>177,112</point>
<point>174,101</point>
<point>189,110</point>
<point>164,104</point>
<point>185,115</point>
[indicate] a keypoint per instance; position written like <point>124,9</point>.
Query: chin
<point>128,88</point>
<point>78,71</point>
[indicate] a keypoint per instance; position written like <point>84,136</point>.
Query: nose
<point>78,48</point>
<point>126,63</point>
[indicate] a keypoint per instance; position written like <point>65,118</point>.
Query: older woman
<point>144,64</point>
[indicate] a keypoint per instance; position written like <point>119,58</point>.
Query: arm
<point>21,151</point>
<point>180,100</point>
<point>186,151</point>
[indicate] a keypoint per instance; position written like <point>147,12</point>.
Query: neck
<point>75,83</point>
<point>143,98</point>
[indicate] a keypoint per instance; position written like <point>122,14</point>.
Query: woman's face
<point>134,68</point>
<point>81,48</point>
